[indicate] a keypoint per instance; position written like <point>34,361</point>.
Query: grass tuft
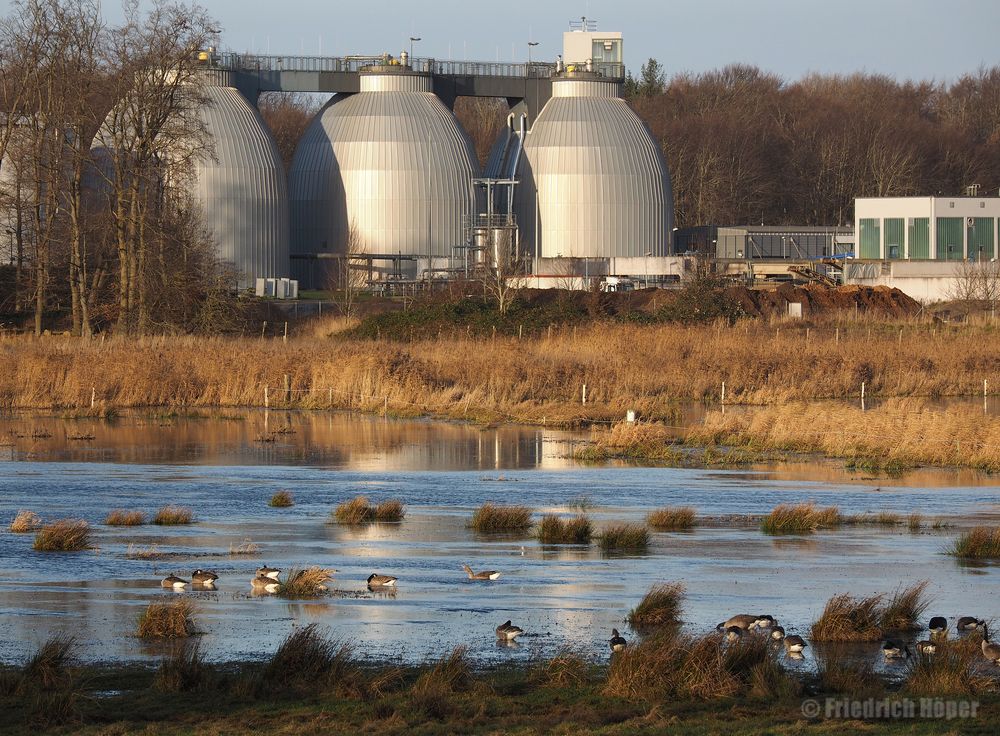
<point>391,510</point>
<point>803,518</point>
<point>661,606</point>
<point>915,522</point>
<point>625,537</point>
<point>355,511</point>
<point>136,552</point>
<point>672,519</point>
<point>839,674</point>
<point>953,670</point>
<point>170,620</point>
<point>979,543</point>
<point>185,671</point>
<point>48,667</point>
<point>173,516</point>
<point>906,609</point>
<point>246,548</point>
<point>846,618</point>
<point>25,521</point>
<point>281,500</point>
<point>566,670</point>
<point>65,535</point>
<point>307,583</point>
<point>123,517</point>
<point>554,530</point>
<point>307,662</point>
<point>492,518</point>
<point>450,674</point>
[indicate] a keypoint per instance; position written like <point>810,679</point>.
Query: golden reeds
<point>802,518</point>
<point>624,538</point>
<point>554,530</point>
<point>25,521</point>
<point>846,618</point>
<point>307,661</point>
<point>672,519</point>
<point>173,516</point>
<point>64,535</point>
<point>661,606</point>
<point>170,620</point>
<point>281,500</point>
<point>979,543</point>
<point>493,518</point>
<point>307,583</point>
<point>124,517</point>
<point>360,511</point>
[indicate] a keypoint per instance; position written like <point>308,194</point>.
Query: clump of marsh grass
<point>953,670</point>
<point>803,518</point>
<point>493,518</point>
<point>695,668</point>
<point>661,606</point>
<point>450,674</point>
<point>979,543</point>
<point>281,500</point>
<point>915,522</point>
<point>123,517</point>
<point>48,666</point>
<point>567,669</point>
<point>184,671</point>
<point>169,620</point>
<point>905,609</point>
<point>25,521</point>
<point>554,530</point>
<point>64,535</point>
<point>246,548</point>
<point>307,661</point>
<point>846,618</point>
<point>838,674</point>
<point>625,537</point>
<point>672,519</point>
<point>173,516</point>
<point>135,552</point>
<point>360,511</point>
<point>307,583</point>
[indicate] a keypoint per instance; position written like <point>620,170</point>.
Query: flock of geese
<point>266,580</point>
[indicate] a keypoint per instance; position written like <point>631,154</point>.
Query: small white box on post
<point>795,310</point>
<point>630,416</point>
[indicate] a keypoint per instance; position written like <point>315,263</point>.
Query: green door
<point>949,238</point>
<point>869,242</point>
<point>920,237</point>
<point>980,234</point>
<point>894,246</point>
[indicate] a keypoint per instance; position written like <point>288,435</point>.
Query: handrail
<point>232,61</point>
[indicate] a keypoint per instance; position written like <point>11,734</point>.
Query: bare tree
<point>348,276</point>
<point>976,286</point>
<point>503,274</point>
<point>287,114</point>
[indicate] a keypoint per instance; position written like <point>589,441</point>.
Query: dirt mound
<point>816,299</point>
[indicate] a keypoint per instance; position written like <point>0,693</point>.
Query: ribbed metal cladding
<point>594,182</point>
<point>243,191</point>
<point>390,164</point>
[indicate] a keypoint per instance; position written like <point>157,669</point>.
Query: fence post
<point>265,398</point>
<point>584,393</point>
<point>285,338</point>
<point>288,388</point>
<point>263,329</point>
<point>93,395</point>
<point>723,392</point>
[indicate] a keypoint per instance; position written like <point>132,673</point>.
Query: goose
<point>926,647</point>
<point>508,632</point>
<point>733,633</point>
<point>893,650</point>
<point>938,625</point>
<point>969,623</point>
<point>794,644</point>
<point>617,642</point>
<point>265,584</point>
<point>777,633</point>
<point>484,575</point>
<point>381,581</point>
<point>991,650</point>
<point>204,577</point>
<point>747,622</point>
<point>268,572</point>
<point>172,581</point>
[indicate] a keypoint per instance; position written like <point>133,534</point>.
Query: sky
<point>907,39</point>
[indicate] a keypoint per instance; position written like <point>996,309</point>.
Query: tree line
<point>99,133</point>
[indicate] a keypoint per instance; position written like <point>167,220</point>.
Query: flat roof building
<point>926,228</point>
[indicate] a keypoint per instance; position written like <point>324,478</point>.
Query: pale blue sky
<point>908,39</point>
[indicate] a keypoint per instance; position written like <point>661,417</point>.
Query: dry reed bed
<point>25,522</point>
<point>646,368</point>
<point>64,535</point>
<point>490,518</point>
<point>173,516</point>
<point>979,543</point>
<point>555,530</point>
<point>124,517</point>
<point>170,620</point>
<point>661,606</point>
<point>898,433</point>
<point>360,511</point>
<point>281,500</point>
<point>846,618</point>
<point>672,519</point>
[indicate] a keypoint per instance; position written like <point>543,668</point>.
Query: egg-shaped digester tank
<point>385,171</point>
<point>242,188</point>
<point>593,181</point>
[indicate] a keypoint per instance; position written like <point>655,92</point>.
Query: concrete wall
<point>925,281</point>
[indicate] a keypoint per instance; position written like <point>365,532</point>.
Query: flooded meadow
<point>225,468</point>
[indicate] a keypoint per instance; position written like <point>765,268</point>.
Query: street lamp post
<point>531,44</point>
<point>413,40</point>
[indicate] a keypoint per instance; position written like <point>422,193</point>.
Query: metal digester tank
<point>593,181</point>
<point>242,188</point>
<point>387,171</point>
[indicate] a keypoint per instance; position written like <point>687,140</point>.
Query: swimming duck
<point>484,575</point>
<point>172,581</point>
<point>617,642</point>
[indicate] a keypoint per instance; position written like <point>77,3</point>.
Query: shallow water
<point>559,595</point>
